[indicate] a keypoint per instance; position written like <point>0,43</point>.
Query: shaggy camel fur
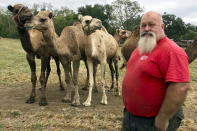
<point>130,44</point>
<point>66,46</point>
<point>101,48</point>
<point>33,43</point>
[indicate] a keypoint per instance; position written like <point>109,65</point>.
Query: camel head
<point>90,24</point>
<point>191,50</point>
<point>124,34</point>
<point>42,21</point>
<point>21,14</point>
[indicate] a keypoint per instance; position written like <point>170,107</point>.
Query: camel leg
<point>44,63</point>
<point>87,78</point>
<point>104,97</point>
<point>48,71</point>
<point>112,74</point>
<point>91,83</point>
<point>59,72</point>
<point>66,65</point>
<point>95,65</point>
<point>31,61</point>
<point>76,100</point>
<point>117,78</point>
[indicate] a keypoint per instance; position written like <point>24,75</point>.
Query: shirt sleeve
<point>176,68</point>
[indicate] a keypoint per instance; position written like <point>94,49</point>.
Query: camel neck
<point>25,40</point>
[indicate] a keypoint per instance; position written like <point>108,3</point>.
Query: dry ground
<point>15,88</point>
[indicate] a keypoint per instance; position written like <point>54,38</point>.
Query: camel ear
<point>117,30</point>
<point>80,17</point>
<point>51,15</point>
<point>10,8</point>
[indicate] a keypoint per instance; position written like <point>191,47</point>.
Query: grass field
<point>15,87</point>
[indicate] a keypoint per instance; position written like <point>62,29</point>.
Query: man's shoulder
<point>169,46</point>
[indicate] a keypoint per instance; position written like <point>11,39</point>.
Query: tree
<point>102,12</point>
<point>175,27</point>
<point>126,13</point>
<point>63,18</point>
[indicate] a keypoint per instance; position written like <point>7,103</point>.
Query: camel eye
<point>16,11</point>
<point>42,20</point>
<point>87,21</point>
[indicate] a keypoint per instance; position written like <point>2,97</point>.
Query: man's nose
<point>147,28</point>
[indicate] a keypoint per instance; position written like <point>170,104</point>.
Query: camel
<point>130,44</point>
<point>100,49</point>
<point>66,46</point>
<point>83,41</point>
<point>191,50</point>
<point>34,45</point>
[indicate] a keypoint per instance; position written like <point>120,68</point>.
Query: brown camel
<point>130,44</point>
<point>191,50</point>
<point>33,43</point>
<point>100,49</point>
<point>66,46</point>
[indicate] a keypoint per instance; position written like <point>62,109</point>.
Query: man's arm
<point>174,98</point>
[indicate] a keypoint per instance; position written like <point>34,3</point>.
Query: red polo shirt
<point>145,81</point>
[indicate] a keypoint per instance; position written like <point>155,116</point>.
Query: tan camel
<point>130,44</point>
<point>100,49</point>
<point>66,46</point>
<point>121,35</point>
<point>33,43</point>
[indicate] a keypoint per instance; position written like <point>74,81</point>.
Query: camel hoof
<point>43,102</point>
<point>30,100</point>
<point>103,103</point>
<point>66,100</point>
<point>86,104</point>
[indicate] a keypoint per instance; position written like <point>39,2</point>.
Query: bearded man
<point>156,80</point>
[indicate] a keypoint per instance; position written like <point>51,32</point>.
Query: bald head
<point>152,21</point>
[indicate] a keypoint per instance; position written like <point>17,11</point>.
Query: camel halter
<point>17,19</point>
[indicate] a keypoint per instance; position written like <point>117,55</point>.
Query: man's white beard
<point>147,42</point>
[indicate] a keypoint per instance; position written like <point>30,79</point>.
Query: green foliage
<point>101,12</point>
<point>175,28</point>
<point>126,13</point>
<point>7,26</point>
<point>63,18</point>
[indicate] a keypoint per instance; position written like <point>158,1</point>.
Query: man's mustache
<point>147,33</point>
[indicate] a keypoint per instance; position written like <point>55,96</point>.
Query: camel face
<point>90,24</point>
<point>123,33</point>
<point>21,14</point>
<point>41,21</point>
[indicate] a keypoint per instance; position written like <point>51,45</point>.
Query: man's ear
<point>51,15</point>
<point>10,8</point>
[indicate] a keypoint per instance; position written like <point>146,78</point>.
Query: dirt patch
<point>15,114</point>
